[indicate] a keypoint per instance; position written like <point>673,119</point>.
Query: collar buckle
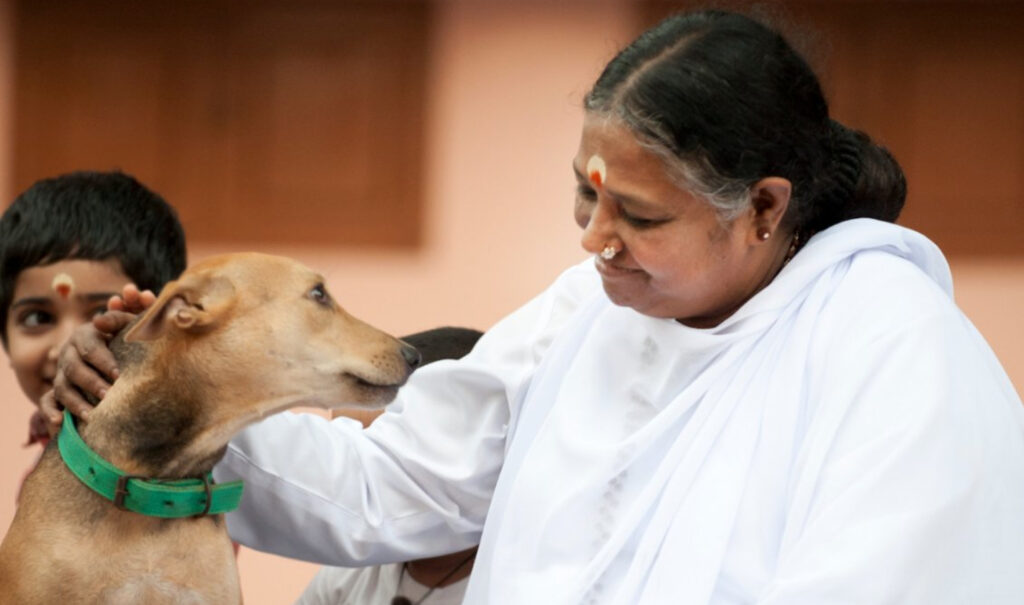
<point>121,490</point>
<point>207,480</point>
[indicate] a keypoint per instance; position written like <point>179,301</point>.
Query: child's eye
<point>35,318</point>
<point>96,312</point>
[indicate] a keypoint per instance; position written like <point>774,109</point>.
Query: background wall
<point>505,84</point>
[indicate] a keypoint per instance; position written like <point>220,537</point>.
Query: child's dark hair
<point>90,216</point>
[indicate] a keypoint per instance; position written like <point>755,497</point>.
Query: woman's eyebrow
<point>621,198</point>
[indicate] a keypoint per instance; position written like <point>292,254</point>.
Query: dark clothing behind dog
<point>443,343</point>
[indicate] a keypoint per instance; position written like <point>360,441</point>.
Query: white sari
<point>845,437</point>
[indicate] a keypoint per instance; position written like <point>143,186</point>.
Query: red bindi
<point>596,170</point>
<point>63,285</point>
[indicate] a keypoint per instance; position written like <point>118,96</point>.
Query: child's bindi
<point>596,170</point>
<point>63,285</point>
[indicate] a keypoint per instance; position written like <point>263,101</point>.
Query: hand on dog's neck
<point>145,425</point>
<point>146,432</point>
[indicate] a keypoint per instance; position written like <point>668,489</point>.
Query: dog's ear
<point>192,304</point>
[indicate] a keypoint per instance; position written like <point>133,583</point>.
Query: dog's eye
<point>319,294</point>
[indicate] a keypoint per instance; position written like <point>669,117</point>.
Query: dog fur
<point>235,339</point>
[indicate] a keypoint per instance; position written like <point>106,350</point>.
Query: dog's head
<point>262,332</point>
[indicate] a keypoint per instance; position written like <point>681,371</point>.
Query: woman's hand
<point>86,367</point>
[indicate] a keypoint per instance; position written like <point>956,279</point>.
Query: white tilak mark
<point>596,166</point>
<point>63,284</point>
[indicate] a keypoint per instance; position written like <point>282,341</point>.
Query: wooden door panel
<point>259,121</point>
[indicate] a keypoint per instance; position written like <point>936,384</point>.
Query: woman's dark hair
<point>725,101</point>
<point>90,216</point>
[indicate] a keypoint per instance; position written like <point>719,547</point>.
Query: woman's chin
<point>624,296</point>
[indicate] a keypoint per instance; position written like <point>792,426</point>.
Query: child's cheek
<point>28,359</point>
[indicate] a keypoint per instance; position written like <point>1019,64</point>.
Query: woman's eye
<point>642,223</point>
<point>35,318</point>
<point>586,193</point>
<point>100,310</point>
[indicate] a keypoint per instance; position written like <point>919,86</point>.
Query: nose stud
<point>609,252</point>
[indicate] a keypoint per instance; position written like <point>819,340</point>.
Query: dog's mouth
<point>375,384</point>
<point>375,390</point>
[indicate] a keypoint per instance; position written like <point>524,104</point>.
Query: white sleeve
<point>418,482</point>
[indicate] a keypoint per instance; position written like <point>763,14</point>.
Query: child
<point>66,245</point>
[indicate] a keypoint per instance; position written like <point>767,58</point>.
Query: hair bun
<point>846,163</point>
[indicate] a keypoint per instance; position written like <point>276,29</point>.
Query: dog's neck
<point>150,427</point>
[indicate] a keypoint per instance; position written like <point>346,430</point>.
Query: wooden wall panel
<point>941,84</point>
<point>260,121</point>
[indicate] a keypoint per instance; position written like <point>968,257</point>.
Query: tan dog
<point>237,338</point>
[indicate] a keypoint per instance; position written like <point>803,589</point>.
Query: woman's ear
<point>769,199</point>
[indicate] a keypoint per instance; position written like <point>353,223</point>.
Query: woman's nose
<point>599,228</point>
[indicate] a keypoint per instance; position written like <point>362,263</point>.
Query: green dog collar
<point>168,499</point>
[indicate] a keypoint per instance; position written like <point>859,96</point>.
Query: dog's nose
<point>411,355</point>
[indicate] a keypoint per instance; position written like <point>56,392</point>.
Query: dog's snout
<point>411,355</point>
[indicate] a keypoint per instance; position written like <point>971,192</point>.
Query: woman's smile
<point>610,270</point>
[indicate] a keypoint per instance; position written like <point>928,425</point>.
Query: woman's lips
<point>607,269</point>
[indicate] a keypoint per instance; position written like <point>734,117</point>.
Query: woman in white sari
<point>758,390</point>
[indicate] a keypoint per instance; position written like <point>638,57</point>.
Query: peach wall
<point>504,120</point>
<point>991,294</point>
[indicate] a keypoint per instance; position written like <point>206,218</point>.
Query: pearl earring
<point>763,234</point>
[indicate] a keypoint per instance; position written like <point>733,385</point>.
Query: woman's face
<point>676,259</point>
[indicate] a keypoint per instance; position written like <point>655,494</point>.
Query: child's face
<point>49,302</point>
